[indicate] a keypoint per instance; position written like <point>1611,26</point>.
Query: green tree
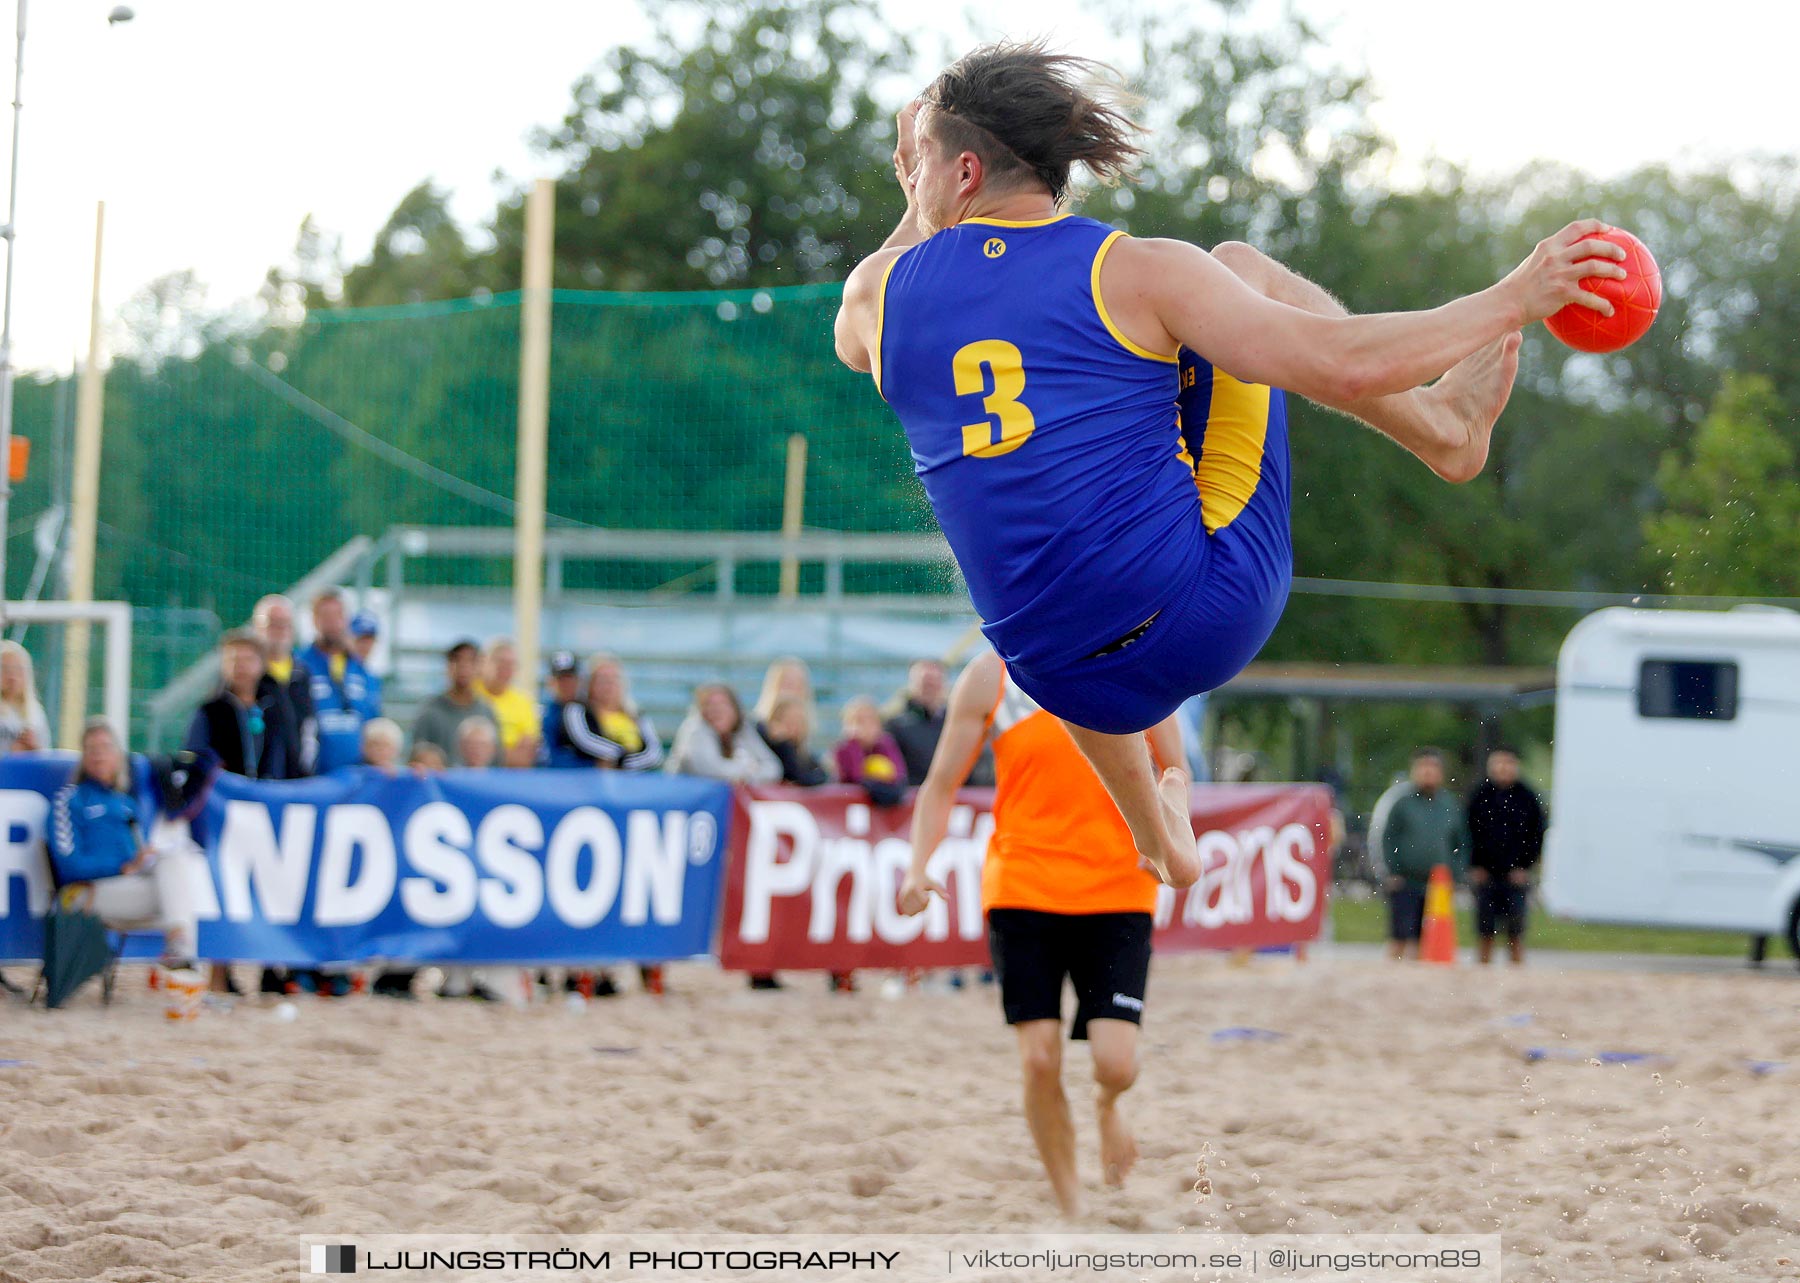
<point>755,152</point>
<point>313,276</point>
<point>1255,132</point>
<point>1730,518</point>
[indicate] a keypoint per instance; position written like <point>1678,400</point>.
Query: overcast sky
<point>212,127</point>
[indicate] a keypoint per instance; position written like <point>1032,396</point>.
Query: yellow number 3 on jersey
<point>1000,360</point>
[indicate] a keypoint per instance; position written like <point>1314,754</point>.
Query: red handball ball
<point>1635,301</point>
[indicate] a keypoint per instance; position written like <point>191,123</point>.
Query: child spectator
<point>477,744</point>
<point>382,740</point>
<point>868,755</point>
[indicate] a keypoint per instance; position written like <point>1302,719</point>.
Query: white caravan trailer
<point>1677,782</point>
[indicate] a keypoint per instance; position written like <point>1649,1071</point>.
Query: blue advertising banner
<point>462,866</point>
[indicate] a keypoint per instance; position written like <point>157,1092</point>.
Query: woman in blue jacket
<point>96,838</point>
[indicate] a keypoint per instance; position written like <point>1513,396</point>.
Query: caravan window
<point>1688,688</point>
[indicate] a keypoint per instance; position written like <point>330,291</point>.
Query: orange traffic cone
<point>1437,942</point>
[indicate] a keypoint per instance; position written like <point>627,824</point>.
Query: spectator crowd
<point>282,712</point>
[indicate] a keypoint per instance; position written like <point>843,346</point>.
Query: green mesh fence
<point>672,411</point>
<point>235,472</point>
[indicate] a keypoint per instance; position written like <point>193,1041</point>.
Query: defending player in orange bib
<point>1064,896</point>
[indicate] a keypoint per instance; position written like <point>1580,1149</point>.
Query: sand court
<point>1340,1096</point>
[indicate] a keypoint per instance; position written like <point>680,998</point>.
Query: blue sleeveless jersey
<point>1046,442</point>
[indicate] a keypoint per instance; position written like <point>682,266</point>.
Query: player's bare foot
<point>1118,1147</point>
<point>1178,863</point>
<point>1465,405</point>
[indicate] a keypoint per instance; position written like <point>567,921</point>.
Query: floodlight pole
<point>6,363</point>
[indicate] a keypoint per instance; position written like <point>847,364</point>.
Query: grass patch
<point>1365,922</point>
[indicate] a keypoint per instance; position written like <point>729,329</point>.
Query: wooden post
<point>84,509</point>
<point>534,427</point>
<point>793,507</point>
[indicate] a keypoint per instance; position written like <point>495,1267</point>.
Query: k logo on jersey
<point>994,248</point>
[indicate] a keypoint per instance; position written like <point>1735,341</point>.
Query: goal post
<point>115,619</point>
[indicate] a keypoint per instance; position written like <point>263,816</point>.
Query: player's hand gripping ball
<point>1635,301</point>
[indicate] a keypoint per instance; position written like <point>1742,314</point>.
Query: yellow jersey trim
<point>1014,222</point>
<point>881,320</point>
<point>1231,453</point>
<point>1106,320</point>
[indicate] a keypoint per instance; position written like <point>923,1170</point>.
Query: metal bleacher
<point>702,628</point>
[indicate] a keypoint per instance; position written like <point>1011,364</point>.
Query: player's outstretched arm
<point>1447,425</point>
<point>972,701</point>
<point>1167,293</point>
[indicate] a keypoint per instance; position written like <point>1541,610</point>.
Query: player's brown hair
<point>1025,110</point>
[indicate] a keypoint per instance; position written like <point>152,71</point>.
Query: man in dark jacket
<point>920,721</point>
<point>273,621</point>
<point>253,726</point>
<point>565,689</point>
<point>250,722</point>
<point>1417,826</point>
<point>1506,833</point>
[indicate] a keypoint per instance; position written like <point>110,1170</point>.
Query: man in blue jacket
<point>342,694</point>
<point>95,837</point>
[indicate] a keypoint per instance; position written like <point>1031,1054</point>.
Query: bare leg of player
<point>1467,402</point>
<point>1450,424</point>
<point>1114,1044</point>
<point>1047,1108</point>
<point>1447,425</point>
<point>1156,811</point>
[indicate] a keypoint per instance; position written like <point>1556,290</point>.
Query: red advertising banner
<point>812,876</point>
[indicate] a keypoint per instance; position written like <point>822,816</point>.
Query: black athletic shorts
<point>1107,955</point>
<point>1499,905</point>
<point>1406,913</point>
